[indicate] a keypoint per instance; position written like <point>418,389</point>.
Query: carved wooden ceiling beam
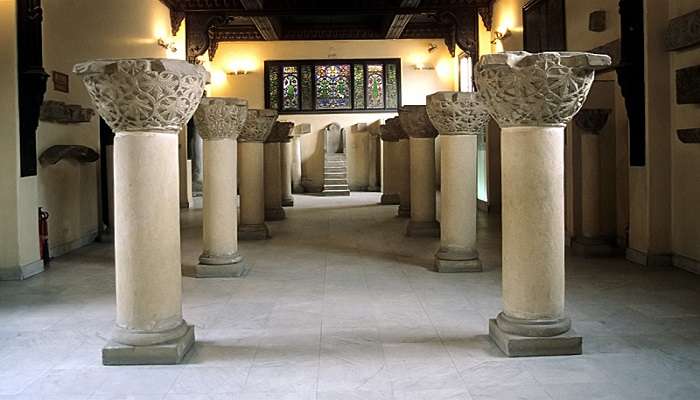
<point>264,24</point>
<point>398,24</point>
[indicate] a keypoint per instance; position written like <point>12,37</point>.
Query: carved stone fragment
<point>81,154</point>
<point>689,135</point>
<point>258,125</point>
<point>281,132</point>
<point>592,120</point>
<point>688,85</point>
<point>457,113</point>
<point>220,117</point>
<point>683,31</point>
<point>597,21</point>
<point>612,50</point>
<point>415,122</point>
<point>62,113</point>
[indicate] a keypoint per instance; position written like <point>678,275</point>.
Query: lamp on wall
<point>167,45</point>
<point>240,67</point>
<point>500,35</point>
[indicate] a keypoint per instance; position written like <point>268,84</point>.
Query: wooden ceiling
<point>210,22</point>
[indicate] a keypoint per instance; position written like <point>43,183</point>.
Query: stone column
<point>403,167</point>
<point>146,102</point>
<point>357,148</point>
<point>459,117</point>
<point>533,97</point>
<point>373,155</point>
<point>219,121</point>
<point>415,122</point>
<point>299,131</point>
<point>286,154</point>
<point>251,165</point>
<point>589,241</point>
<point>390,188</point>
<point>273,171</point>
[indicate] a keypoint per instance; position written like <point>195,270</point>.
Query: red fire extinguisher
<point>44,236</point>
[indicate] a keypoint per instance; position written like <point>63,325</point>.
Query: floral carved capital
<point>542,89</point>
<point>281,132</point>
<point>144,94</point>
<point>415,122</point>
<point>258,125</point>
<point>220,117</point>
<point>457,113</point>
<point>392,131</point>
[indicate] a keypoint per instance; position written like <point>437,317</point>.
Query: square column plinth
<point>566,344</point>
<point>172,352</point>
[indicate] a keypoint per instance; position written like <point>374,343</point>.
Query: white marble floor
<point>339,306</point>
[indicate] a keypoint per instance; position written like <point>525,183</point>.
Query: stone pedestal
<point>415,122</point>
<point>373,148</point>
<point>459,117</point>
<point>251,165</point>
<point>589,240</point>
<point>390,160</point>
<point>274,191</point>
<point>533,97</point>
<point>219,121</point>
<point>286,173</point>
<point>404,177</point>
<point>299,131</point>
<point>146,102</point>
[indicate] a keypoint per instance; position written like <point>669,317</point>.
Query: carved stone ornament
<point>689,135</point>
<point>415,121</point>
<point>387,134</point>
<point>542,89</point>
<point>683,31</point>
<point>373,128</point>
<point>688,85</point>
<point>281,132</point>
<point>394,125</point>
<point>302,129</point>
<point>258,125</point>
<point>220,117</point>
<point>81,154</point>
<point>457,113</point>
<point>62,113</point>
<point>592,120</point>
<point>144,94</point>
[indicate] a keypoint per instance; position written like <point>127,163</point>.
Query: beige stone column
<point>588,241</point>
<point>459,117</point>
<point>286,154</point>
<point>273,170</point>
<point>533,97</point>
<point>356,149</point>
<point>299,131</point>
<point>415,122</point>
<point>373,154</point>
<point>404,175</point>
<point>149,325</point>
<point>390,188</point>
<point>251,165</point>
<point>219,121</point>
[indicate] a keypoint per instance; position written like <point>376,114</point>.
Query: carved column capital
<point>592,120</point>
<point>144,94</point>
<point>457,113</point>
<point>281,132</point>
<point>542,89</point>
<point>392,131</point>
<point>386,134</point>
<point>415,122</point>
<point>302,129</point>
<point>374,129</point>
<point>220,117</point>
<point>258,125</point>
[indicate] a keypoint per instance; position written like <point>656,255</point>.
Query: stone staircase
<point>335,176</point>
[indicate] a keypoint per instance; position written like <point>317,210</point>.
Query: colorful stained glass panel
<point>333,87</point>
<point>359,81</point>
<point>392,87</point>
<point>290,88</point>
<point>375,86</point>
<point>307,87</point>
<point>273,76</point>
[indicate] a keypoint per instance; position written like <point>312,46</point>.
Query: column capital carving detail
<point>457,113</point>
<point>258,125</point>
<point>415,122</point>
<point>281,132</point>
<point>144,94</point>
<point>541,89</point>
<point>220,117</point>
<point>392,131</point>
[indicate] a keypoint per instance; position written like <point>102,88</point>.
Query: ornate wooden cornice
<point>398,24</point>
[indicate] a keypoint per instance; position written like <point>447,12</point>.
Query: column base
<point>373,189</point>
<point>391,199</point>
<point>171,352</point>
<point>275,214</point>
<point>288,202</point>
<point>404,212</point>
<point>22,272</point>
<point>423,229</point>
<point>447,261</point>
<point>297,189</point>
<point>254,232</point>
<point>592,247</point>
<point>565,344</point>
<point>220,267</point>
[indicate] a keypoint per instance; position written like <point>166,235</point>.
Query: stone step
<point>335,192</point>
<point>335,181</point>
<point>335,187</point>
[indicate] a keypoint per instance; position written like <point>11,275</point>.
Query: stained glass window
<point>333,87</point>
<point>296,86</point>
<point>359,77</point>
<point>375,86</point>
<point>290,88</point>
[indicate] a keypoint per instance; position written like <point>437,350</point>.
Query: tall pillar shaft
<point>286,150</point>
<point>149,325</point>
<point>373,155</point>
<point>523,92</point>
<point>404,177</point>
<point>252,192</point>
<point>390,189</point>
<point>296,165</point>
<point>273,182</point>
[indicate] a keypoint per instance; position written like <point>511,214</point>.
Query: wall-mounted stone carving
<point>689,135</point>
<point>612,50</point>
<point>81,154</point>
<point>592,120</point>
<point>688,85</point>
<point>597,21</point>
<point>683,31</point>
<point>62,113</point>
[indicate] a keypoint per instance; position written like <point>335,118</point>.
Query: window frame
<point>298,63</point>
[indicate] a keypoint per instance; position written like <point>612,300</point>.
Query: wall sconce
<point>168,46</point>
<point>237,72</point>
<point>500,36</point>
<point>432,47</point>
<point>240,67</point>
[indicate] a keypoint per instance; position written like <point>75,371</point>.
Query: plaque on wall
<point>688,85</point>
<point>683,31</point>
<point>689,135</point>
<point>61,82</point>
